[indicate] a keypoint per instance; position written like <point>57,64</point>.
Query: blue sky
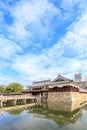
<point>41,38</point>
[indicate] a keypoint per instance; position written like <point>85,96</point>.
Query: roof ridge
<point>60,76</point>
<point>41,81</point>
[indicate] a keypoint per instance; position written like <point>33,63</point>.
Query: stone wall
<point>71,95</point>
<point>81,97</point>
<point>63,106</point>
<point>59,96</point>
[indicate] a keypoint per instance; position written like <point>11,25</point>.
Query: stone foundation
<point>59,96</point>
<point>81,97</point>
<point>63,106</point>
<point>67,94</point>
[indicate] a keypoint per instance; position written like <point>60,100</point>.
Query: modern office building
<point>78,77</point>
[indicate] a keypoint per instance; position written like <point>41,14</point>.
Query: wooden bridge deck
<point>16,97</point>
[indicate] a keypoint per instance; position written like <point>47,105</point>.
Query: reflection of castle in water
<point>64,106</point>
<point>59,112</point>
<point>62,113</point>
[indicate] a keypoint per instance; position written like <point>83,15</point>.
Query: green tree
<point>2,89</point>
<point>14,87</point>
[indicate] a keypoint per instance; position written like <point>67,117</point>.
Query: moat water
<point>44,117</point>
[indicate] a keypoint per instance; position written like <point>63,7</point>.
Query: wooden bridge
<point>15,98</point>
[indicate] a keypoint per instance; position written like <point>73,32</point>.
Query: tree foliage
<point>2,89</point>
<point>14,87</point>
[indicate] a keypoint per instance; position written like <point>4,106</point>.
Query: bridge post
<point>32,100</point>
<point>1,103</point>
<point>24,101</point>
<point>15,102</point>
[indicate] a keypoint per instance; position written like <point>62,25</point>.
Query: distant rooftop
<point>43,81</point>
<point>61,78</point>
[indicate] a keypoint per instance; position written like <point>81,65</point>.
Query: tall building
<point>78,77</point>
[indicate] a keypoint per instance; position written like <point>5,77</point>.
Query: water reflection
<point>48,116</point>
<point>16,111</point>
<point>60,113</point>
<point>18,118</point>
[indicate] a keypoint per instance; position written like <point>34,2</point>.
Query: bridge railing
<point>12,97</point>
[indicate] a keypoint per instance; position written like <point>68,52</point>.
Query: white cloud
<point>42,67</point>
<point>67,4</point>
<point>76,37</point>
<point>3,64</point>
<point>81,4</point>
<point>56,60</point>
<point>18,78</point>
<point>8,48</point>
<point>1,17</point>
<point>5,79</point>
<point>32,19</point>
